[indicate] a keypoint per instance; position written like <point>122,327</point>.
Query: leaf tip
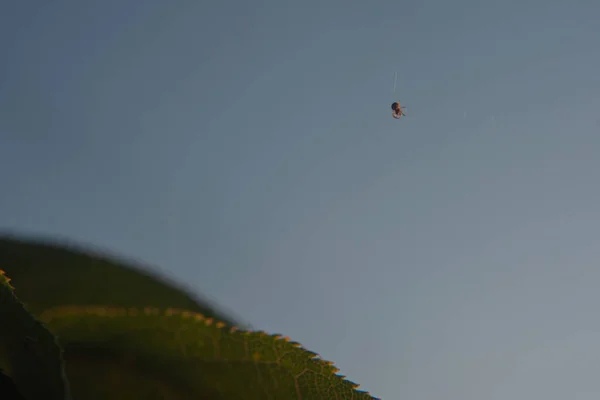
<point>5,279</point>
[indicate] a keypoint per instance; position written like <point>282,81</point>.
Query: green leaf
<point>47,274</point>
<point>120,353</point>
<point>28,351</point>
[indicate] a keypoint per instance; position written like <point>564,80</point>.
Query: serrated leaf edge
<point>66,311</point>
<point>5,279</point>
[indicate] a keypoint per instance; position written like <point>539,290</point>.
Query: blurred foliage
<point>79,325</point>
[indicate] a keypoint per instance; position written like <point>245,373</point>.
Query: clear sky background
<point>247,149</point>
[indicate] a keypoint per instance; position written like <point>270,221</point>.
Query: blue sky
<point>247,149</point>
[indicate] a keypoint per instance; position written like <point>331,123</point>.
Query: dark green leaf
<point>28,351</point>
<point>47,274</point>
